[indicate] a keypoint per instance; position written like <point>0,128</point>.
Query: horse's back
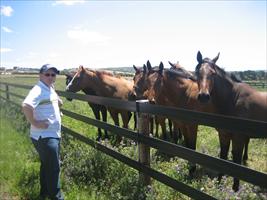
<point>253,104</point>
<point>259,106</point>
<point>121,86</point>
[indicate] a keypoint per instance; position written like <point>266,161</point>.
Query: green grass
<point>88,174</point>
<point>14,158</point>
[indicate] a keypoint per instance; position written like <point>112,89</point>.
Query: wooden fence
<point>242,126</point>
<point>258,84</point>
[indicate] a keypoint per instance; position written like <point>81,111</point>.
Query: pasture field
<point>87,171</point>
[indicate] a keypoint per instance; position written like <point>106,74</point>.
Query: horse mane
<point>235,78</point>
<point>221,72</point>
<point>225,74</point>
<point>100,72</point>
<point>181,72</point>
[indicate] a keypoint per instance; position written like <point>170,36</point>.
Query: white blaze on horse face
<point>204,81</point>
<point>70,83</point>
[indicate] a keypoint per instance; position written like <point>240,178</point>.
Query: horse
<point>163,83</point>
<point>138,90</point>
<point>230,97</point>
<point>178,67</point>
<point>104,84</point>
<point>96,108</point>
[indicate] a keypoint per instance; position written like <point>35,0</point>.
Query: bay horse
<point>97,109</point>
<point>139,88</point>
<point>163,84</point>
<point>104,84</point>
<point>231,97</point>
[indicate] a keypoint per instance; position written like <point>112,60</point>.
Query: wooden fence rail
<point>242,126</point>
<point>257,84</point>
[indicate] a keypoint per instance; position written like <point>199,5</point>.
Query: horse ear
<point>216,58</point>
<point>149,67</point>
<point>199,57</point>
<point>171,64</point>
<point>135,68</point>
<point>144,67</point>
<point>161,67</point>
<point>81,67</point>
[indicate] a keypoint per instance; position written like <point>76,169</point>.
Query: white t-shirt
<point>44,100</point>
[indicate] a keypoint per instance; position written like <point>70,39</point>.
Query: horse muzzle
<point>203,97</point>
<point>68,98</point>
<point>132,96</point>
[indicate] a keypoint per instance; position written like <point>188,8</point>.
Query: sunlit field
<point>204,180</point>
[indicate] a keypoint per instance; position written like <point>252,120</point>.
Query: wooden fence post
<point>143,150</point>
<point>7,92</point>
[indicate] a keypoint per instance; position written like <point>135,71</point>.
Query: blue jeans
<point>48,150</point>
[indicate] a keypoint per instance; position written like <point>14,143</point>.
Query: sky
<point>98,34</point>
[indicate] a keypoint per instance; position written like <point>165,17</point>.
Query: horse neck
<point>92,82</point>
<point>89,91</point>
<point>224,94</point>
<point>251,103</point>
<point>176,90</point>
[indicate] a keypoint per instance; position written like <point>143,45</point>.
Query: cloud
<point>4,50</point>
<point>68,2</point>
<point>7,30</point>
<point>86,36</point>
<point>6,11</point>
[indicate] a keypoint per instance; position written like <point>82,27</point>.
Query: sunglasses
<point>47,75</point>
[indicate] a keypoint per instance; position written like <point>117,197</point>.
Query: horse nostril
<point>132,96</point>
<point>203,97</point>
<point>151,100</point>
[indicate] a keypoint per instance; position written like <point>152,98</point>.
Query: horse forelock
<point>140,69</point>
<point>155,69</point>
<point>211,64</point>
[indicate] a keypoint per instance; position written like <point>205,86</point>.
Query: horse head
<point>154,82</point>
<point>139,79</point>
<point>205,71</point>
<point>75,82</point>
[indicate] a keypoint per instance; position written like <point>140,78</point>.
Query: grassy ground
<point>15,157</point>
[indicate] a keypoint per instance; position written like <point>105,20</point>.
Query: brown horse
<point>139,89</point>
<point>160,86</point>
<point>106,85</point>
<point>230,97</point>
<point>178,67</point>
<point>98,110</point>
